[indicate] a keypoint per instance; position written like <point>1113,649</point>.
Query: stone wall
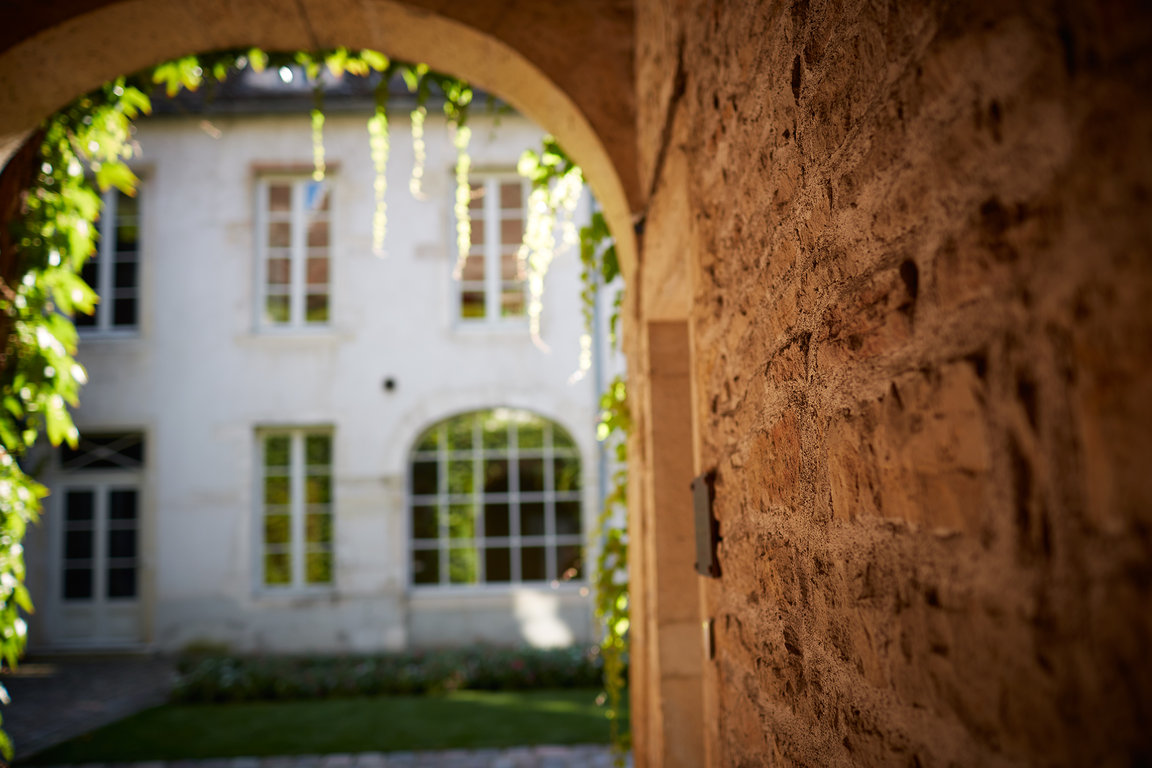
<point>914,242</point>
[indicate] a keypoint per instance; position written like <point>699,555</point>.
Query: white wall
<point>199,379</point>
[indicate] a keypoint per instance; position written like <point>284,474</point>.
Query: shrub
<point>214,677</point>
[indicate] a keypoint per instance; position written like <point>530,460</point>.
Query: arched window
<point>494,498</point>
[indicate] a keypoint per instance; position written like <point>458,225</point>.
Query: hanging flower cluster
<point>557,184</point>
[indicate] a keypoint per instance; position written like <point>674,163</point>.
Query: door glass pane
<point>78,545</point>
<point>122,543</point>
<point>77,583</point>
<point>496,476</point>
<point>566,473</point>
<point>122,582</point>
<point>122,504</point>
<point>531,474</point>
<point>78,506</point>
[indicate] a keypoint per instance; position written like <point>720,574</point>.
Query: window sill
<point>127,334</point>
<point>322,334</point>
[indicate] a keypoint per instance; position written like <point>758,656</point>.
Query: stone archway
<point>570,68</point>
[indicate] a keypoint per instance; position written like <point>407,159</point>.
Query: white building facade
<point>291,443</point>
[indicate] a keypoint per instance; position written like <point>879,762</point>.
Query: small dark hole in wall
<point>910,274</point>
<point>389,384</point>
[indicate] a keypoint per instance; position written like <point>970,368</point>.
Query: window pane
<point>77,583</point>
<point>511,231</point>
<point>127,235</point>
<point>476,201</point>
<point>494,425</point>
<point>78,545</point>
<point>277,529</point>
<point>318,270</point>
<point>124,275</point>
<point>462,565</point>
<point>279,234</point>
<point>280,197</point>
<point>461,521</point>
<point>276,450</point>
<point>496,476</point>
<point>472,304</point>
<point>122,504</point>
<point>430,440</point>
<point>567,517</point>
<point>126,205</point>
<point>512,303</point>
<point>122,543</point>
<point>318,528</point>
<point>424,523</point>
<point>569,562</point>
<point>460,432</point>
<point>78,505</point>
<point>318,233</point>
<point>122,582</point>
<point>566,474</point>
<point>473,269</point>
<point>511,268</point>
<point>277,568</point>
<point>318,568</point>
<point>497,565</point>
<point>532,564</point>
<point>561,440</point>
<point>277,310</point>
<point>316,196</point>
<point>477,231</point>
<point>530,433</point>
<point>511,195</point>
<point>318,450</point>
<point>426,566</point>
<point>532,519</point>
<point>496,520</point>
<point>460,477</point>
<point>277,490</point>
<point>424,477</point>
<point>124,311</point>
<point>316,308</point>
<point>531,475</point>
<point>318,489</point>
<point>279,271</point>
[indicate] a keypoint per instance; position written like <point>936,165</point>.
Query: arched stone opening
<point>524,54</point>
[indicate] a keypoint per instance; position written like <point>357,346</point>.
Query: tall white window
<point>99,499</point>
<point>494,498</point>
<point>294,252</point>
<point>296,508</point>
<point>492,286</point>
<point>113,271</point>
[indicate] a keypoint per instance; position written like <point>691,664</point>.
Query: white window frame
<point>515,541</point>
<point>297,510</point>
<point>492,216</point>
<point>298,254</point>
<point>106,257</point>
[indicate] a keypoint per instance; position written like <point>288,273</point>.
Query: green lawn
<point>464,719</point>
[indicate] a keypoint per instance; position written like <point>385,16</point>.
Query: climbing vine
<point>85,149</point>
<point>556,186</point>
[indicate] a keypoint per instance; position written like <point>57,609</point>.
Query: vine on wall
<point>84,149</point>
